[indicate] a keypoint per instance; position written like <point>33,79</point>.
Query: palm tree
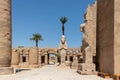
<point>63,20</point>
<point>36,37</point>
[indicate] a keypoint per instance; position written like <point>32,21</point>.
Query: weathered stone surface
<point>15,59</point>
<point>6,70</point>
<point>63,54</point>
<point>89,29</point>
<point>117,37</point>
<point>75,63</point>
<point>105,35</point>
<point>86,68</point>
<point>108,32</point>
<point>63,49</point>
<point>32,56</point>
<point>5,37</point>
<point>63,43</point>
<point>5,33</point>
<point>89,41</point>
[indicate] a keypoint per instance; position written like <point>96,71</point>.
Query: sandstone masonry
<point>5,36</point>
<point>30,58</point>
<point>108,36</point>
<point>89,41</point>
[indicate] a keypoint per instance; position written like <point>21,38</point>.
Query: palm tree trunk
<point>37,51</point>
<point>37,44</point>
<point>63,29</point>
<point>5,33</point>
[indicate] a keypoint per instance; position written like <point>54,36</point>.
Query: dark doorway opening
<point>71,58</point>
<point>43,59</point>
<point>65,58</point>
<point>24,59</point>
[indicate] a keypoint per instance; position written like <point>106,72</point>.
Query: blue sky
<point>42,16</point>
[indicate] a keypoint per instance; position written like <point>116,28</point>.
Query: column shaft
<point>5,33</point>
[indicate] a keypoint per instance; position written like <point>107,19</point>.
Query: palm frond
<point>36,37</point>
<point>63,20</point>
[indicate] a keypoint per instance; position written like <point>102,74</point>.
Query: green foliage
<point>58,55</point>
<point>20,46</point>
<point>36,37</point>
<point>63,20</point>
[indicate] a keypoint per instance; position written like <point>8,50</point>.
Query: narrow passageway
<point>50,72</point>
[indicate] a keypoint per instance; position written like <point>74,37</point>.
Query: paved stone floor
<point>50,72</point>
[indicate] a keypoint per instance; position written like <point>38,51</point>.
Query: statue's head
<point>63,39</point>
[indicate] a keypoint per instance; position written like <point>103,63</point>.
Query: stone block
<point>6,70</point>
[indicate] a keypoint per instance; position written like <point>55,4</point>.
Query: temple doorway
<point>42,59</point>
<point>51,59</point>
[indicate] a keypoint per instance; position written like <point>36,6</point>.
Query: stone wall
<point>89,41</point>
<point>15,60</point>
<point>29,55</point>
<point>34,57</point>
<point>89,29</point>
<point>108,34</point>
<point>117,37</point>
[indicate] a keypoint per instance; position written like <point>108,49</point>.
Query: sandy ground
<point>50,72</point>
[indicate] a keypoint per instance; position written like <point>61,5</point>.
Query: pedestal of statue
<point>88,67</point>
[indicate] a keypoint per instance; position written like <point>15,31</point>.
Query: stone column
<point>46,58</point>
<point>5,33</point>
<point>39,60</point>
<point>63,54</point>
<point>68,57</point>
<point>33,57</point>
<point>74,56</point>
<point>27,58</point>
<point>74,60</point>
<point>56,59</point>
<point>21,61</point>
<point>5,36</point>
<point>68,60</point>
<point>15,58</point>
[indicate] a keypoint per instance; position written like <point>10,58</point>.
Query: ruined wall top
<point>46,50</point>
<point>90,12</point>
<point>89,28</point>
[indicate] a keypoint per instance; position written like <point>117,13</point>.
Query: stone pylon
<point>5,36</point>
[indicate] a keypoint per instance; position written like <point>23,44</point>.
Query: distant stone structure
<point>89,41</point>
<point>5,37</point>
<point>108,36</point>
<point>28,57</point>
